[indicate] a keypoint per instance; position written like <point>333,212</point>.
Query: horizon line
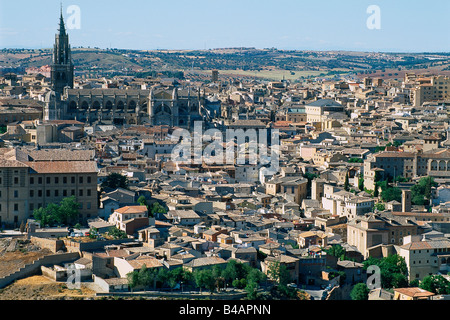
<point>237,47</point>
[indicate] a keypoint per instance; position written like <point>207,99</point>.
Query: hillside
<point>271,64</point>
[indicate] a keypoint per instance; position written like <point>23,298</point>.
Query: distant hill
<point>248,62</point>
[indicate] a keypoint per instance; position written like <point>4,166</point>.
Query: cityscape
<point>230,174</point>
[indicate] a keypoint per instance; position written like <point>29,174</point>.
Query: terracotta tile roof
<point>12,164</point>
<point>420,245</point>
<point>394,154</point>
<point>63,166</point>
<point>150,262</point>
<point>60,155</point>
<point>132,210</point>
<point>414,292</point>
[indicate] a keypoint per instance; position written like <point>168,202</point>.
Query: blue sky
<point>406,26</point>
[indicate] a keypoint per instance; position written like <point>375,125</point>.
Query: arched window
<point>120,105</point>
<point>132,105</point>
<point>108,105</point>
<point>434,165</point>
<point>96,105</point>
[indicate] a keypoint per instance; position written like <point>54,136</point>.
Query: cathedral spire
<point>62,66</point>
<point>62,27</point>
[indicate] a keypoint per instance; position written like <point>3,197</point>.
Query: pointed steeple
<point>62,27</point>
<point>62,66</point>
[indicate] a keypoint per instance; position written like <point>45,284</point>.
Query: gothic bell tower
<point>62,69</point>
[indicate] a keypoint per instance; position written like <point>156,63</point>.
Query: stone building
<point>169,105</point>
<point>28,181</point>
<point>367,232</point>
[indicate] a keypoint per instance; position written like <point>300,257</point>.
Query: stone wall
<point>51,273</point>
<point>35,267</point>
<point>51,244</point>
<point>73,246</point>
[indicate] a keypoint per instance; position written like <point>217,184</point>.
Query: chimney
<point>406,200</point>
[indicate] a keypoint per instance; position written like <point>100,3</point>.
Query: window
<point>16,207</point>
<point>31,180</point>
<point>16,193</point>
<point>64,193</point>
<point>39,193</point>
<point>88,192</point>
<point>31,206</point>
<point>80,179</point>
<point>89,180</point>
<point>72,192</point>
<point>40,180</point>
<point>72,180</point>
<point>16,180</point>
<point>48,193</point>
<point>56,180</point>
<point>56,193</point>
<point>31,193</point>
<point>80,192</point>
<point>64,180</point>
<point>48,180</point>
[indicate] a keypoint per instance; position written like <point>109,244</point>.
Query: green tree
<point>279,273</point>
<point>380,206</point>
<point>414,283</point>
<point>391,193</point>
<point>376,192</point>
<point>436,284</point>
<point>256,276</point>
<point>142,201</point>
<point>252,290</point>
<point>162,276</point>
<point>337,251</point>
<point>361,183</point>
<point>421,191</point>
<point>144,277</point>
<point>93,233</point>
<point>393,270</point>
<point>69,210</point>
<point>133,279</point>
<point>157,209</point>
<point>360,292</point>
<point>66,212</point>
<point>235,270</point>
<point>114,181</point>
<point>117,233</point>
<point>204,279</point>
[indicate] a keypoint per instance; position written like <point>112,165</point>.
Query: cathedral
<point>173,106</point>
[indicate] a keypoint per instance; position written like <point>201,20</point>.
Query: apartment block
<point>34,183</point>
